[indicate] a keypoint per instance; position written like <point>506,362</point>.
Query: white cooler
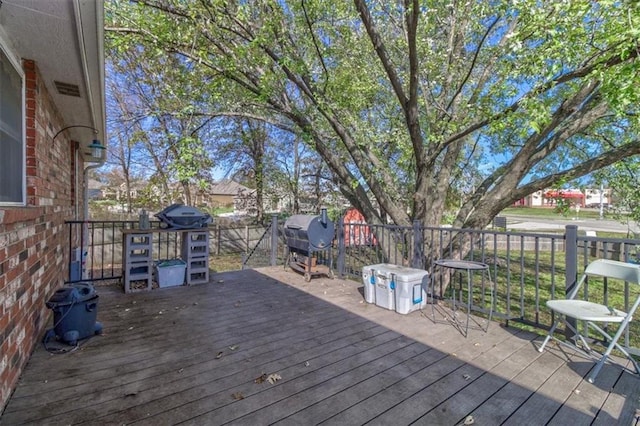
<point>369,281</point>
<point>411,290</point>
<point>395,287</point>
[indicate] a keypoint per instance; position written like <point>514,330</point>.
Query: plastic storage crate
<point>170,273</point>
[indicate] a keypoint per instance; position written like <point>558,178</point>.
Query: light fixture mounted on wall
<point>97,149</point>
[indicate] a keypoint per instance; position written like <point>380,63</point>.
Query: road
<point>517,222</point>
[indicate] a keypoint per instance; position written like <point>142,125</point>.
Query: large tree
<point>402,99</point>
<point>155,122</point>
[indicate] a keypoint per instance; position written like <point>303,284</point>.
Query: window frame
<point>15,63</point>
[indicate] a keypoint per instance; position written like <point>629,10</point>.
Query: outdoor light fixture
<point>70,127</point>
<point>97,149</point>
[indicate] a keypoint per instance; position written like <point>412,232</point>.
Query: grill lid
<point>179,216</point>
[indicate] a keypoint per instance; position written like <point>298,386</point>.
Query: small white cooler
<point>369,281</point>
<point>396,287</point>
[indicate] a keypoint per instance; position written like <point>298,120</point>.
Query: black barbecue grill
<point>178,216</point>
<point>307,235</point>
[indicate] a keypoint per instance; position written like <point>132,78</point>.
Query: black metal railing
<point>528,268</point>
<point>96,247</point>
<point>269,250</point>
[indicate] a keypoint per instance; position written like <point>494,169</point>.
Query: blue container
<point>75,308</point>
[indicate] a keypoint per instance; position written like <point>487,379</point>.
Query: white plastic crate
<point>171,273</point>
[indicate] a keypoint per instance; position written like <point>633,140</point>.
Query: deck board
<point>621,405</point>
<point>376,380</point>
<point>523,371</point>
<point>426,389</point>
<point>193,354</point>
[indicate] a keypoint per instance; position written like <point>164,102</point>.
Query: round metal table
<point>470,267</point>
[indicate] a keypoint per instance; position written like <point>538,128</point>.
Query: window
<point>12,142</point>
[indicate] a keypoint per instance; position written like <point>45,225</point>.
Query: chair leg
<point>546,340</point>
<point>578,336</point>
<point>596,369</point>
<point>612,344</point>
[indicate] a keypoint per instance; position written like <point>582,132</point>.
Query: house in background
<point>547,198</point>
<point>51,110</point>
<point>95,189</point>
<point>593,197</point>
<point>226,193</point>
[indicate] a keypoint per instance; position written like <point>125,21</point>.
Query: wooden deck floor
<point>199,355</point>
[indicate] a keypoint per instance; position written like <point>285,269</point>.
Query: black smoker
<point>306,235</point>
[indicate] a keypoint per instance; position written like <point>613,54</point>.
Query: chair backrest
<point>614,269</point>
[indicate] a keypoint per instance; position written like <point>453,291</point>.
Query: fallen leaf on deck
<point>261,379</point>
<point>233,347</point>
<point>466,377</point>
<point>469,420</point>
<point>219,355</point>
<point>237,396</point>
<point>273,378</point>
<point>128,394</point>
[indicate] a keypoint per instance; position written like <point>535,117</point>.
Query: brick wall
<point>34,255</point>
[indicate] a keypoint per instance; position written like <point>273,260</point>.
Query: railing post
<point>418,246</point>
<point>218,237</point>
<point>571,266</point>
<point>274,239</point>
<point>70,248</point>
<point>341,248</point>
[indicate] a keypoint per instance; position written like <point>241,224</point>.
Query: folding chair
<point>592,313</point>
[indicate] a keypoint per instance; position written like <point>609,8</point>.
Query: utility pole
<point>601,200</point>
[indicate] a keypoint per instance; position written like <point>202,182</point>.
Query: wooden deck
<point>201,355</point>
